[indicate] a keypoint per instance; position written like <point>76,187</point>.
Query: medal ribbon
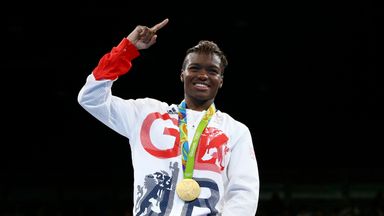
<point>188,155</point>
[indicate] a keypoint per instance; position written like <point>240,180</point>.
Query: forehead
<point>203,59</point>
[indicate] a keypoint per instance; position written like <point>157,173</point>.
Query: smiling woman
<point>203,168</point>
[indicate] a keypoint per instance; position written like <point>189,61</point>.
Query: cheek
<point>187,78</point>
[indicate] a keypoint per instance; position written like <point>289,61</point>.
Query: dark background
<point>303,76</point>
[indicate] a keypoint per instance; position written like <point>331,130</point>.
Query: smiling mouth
<point>201,86</point>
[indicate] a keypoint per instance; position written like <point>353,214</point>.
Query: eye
<point>193,68</point>
<point>214,71</point>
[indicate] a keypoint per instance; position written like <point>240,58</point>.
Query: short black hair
<point>208,47</point>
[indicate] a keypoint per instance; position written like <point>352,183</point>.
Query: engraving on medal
<point>188,189</point>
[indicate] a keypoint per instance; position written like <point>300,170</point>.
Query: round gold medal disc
<point>188,189</point>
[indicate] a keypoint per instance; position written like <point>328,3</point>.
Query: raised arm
<point>96,95</point>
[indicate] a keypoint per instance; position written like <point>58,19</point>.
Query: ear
<point>221,83</point>
<point>182,76</point>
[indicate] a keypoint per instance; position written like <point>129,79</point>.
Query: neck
<point>198,105</point>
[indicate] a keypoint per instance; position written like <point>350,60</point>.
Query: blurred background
<point>303,76</point>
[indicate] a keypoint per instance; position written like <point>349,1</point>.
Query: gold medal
<point>188,189</point>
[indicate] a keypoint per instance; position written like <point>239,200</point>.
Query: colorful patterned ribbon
<point>188,155</point>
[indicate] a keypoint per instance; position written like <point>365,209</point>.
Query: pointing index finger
<point>159,25</point>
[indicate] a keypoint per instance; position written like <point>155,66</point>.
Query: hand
<point>143,37</point>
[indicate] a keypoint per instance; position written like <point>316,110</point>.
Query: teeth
<point>200,84</point>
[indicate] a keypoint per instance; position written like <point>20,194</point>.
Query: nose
<point>203,74</point>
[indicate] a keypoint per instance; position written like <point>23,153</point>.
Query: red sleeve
<point>117,62</point>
